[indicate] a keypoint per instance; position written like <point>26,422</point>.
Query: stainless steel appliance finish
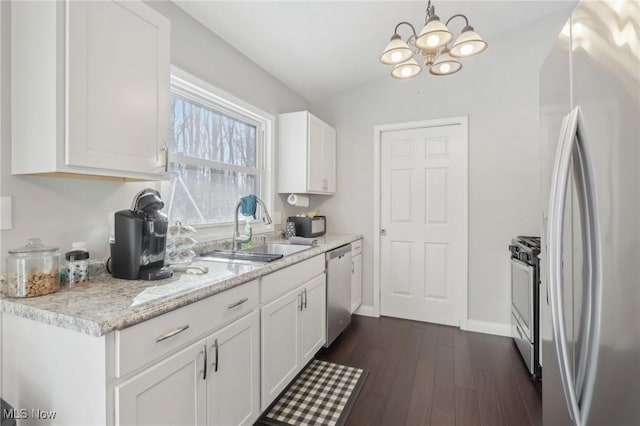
<point>338,263</point>
<point>590,104</point>
<point>525,290</point>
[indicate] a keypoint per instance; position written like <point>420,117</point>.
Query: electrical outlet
<point>6,217</point>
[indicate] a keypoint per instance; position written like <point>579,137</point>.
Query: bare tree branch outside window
<point>218,163</point>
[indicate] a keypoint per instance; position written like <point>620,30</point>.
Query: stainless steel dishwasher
<point>338,291</point>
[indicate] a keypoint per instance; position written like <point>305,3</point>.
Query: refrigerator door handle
<point>572,146</point>
<point>555,234</point>
<point>592,294</point>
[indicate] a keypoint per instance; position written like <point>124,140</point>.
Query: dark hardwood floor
<point>428,374</point>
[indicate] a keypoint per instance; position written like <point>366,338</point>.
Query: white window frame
<point>193,88</point>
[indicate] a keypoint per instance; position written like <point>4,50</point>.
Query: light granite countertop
<point>107,304</point>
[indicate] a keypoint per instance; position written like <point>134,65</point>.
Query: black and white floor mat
<point>323,394</point>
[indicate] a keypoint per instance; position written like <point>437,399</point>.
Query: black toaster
<point>309,226</point>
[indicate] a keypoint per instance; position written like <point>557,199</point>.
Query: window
<point>220,151</point>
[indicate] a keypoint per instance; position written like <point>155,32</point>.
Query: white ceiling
<point>320,48</point>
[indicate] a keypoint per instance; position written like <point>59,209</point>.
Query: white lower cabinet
<point>219,361</point>
<point>214,382</point>
<point>312,318</point>
<point>293,330</point>
<point>233,382</point>
<point>173,392</point>
<point>280,343</point>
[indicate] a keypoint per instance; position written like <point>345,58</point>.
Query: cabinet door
<point>118,86</point>
<point>280,345</point>
<point>315,169</point>
<point>233,386</point>
<point>312,318</point>
<point>329,159</point>
<point>169,393</point>
<point>356,282</point>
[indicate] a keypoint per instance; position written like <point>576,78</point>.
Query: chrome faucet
<point>238,239</point>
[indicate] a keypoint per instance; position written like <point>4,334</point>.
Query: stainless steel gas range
<point>525,300</point>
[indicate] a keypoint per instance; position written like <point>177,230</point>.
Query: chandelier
<point>432,43</point>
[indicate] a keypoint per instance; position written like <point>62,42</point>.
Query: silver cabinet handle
<point>204,366</point>
<point>172,333</point>
<point>300,297</point>
<point>238,303</point>
<point>214,364</point>
<point>305,298</point>
<point>165,148</point>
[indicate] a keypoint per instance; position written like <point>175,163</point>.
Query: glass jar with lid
<point>32,270</point>
<point>77,264</point>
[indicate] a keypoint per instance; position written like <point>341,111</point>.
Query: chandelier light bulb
<point>445,64</point>
<point>433,40</point>
<point>435,34</point>
<point>469,43</point>
<point>467,49</point>
<point>396,51</point>
<point>406,69</point>
<point>397,56</point>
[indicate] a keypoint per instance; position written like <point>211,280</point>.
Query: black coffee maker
<point>140,234</point>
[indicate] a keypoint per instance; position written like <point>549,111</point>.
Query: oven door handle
<point>572,146</point>
<point>521,263</point>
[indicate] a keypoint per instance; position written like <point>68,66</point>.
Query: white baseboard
<point>366,311</point>
<point>495,328</point>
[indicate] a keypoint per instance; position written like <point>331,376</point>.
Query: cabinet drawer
<point>356,248</point>
<point>280,282</point>
<point>152,339</point>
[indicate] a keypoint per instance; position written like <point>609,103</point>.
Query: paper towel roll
<point>298,200</point>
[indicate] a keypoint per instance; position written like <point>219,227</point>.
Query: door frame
<point>462,121</point>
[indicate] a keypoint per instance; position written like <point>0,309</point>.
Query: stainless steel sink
<point>241,257</point>
<point>284,249</point>
<point>254,255</point>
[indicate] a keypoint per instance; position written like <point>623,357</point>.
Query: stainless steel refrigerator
<point>590,296</point>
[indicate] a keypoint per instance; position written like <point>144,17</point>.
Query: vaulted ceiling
<point>320,48</point>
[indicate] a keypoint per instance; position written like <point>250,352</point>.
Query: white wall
<point>64,210</point>
<point>498,90</point>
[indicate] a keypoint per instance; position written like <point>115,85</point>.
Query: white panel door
<point>423,212</point>
<point>233,387</point>
<point>170,393</point>
<point>118,86</point>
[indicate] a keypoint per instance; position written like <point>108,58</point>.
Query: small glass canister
<point>77,265</point>
<point>32,270</point>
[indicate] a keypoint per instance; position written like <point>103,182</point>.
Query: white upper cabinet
<point>90,89</point>
<point>307,155</point>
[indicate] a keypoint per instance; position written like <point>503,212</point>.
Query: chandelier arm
<point>459,15</point>
<point>413,30</point>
